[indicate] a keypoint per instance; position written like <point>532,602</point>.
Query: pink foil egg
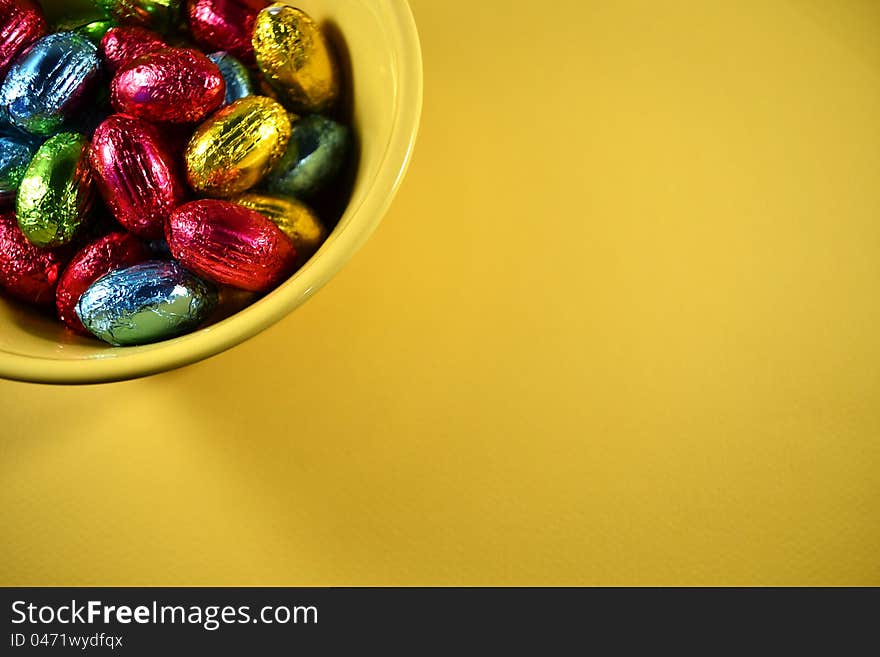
<point>174,85</point>
<point>27,272</point>
<point>21,23</point>
<point>225,25</point>
<point>122,45</point>
<point>136,174</point>
<point>230,244</point>
<point>107,253</point>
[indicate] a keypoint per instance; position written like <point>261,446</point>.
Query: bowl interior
<point>378,48</point>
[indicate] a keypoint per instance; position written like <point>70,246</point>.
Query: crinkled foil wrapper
<point>239,83</point>
<point>122,45</point>
<point>161,15</point>
<point>100,257</point>
<point>317,152</point>
<point>148,302</point>
<point>293,217</point>
<point>136,173</point>
<point>225,25</point>
<point>174,85</point>
<point>296,59</point>
<point>28,273</point>
<point>92,28</point>
<point>55,196</point>
<point>52,81</point>
<point>16,152</point>
<point>230,245</point>
<point>235,149</point>
<point>22,24</point>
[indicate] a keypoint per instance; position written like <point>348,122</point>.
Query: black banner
<point>186,621</point>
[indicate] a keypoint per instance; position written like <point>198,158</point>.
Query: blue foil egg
<point>315,155</point>
<point>16,151</point>
<point>238,79</point>
<point>148,302</point>
<point>49,82</point>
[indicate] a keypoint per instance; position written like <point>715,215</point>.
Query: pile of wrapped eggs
<point>159,155</point>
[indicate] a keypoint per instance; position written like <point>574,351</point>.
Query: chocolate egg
<point>122,45</point>
<point>295,219</point>
<point>234,149</point>
<point>107,253</point>
<point>50,81</point>
<point>147,302</point>
<point>92,28</point>
<point>230,244</point>
<point>177,85</point>
<point>27,272</point>
<point>235,74</point>
<point>316,153</point>
<point>55,194</point>
<point>225,25</point>
<point>136,174</point>
<point>296,59</point>
<point>21,23</point>
<point>161,15</point>
<point>16,151</point>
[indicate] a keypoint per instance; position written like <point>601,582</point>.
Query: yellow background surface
<point>621,326</point>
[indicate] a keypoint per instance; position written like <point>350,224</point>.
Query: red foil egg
<point>122,45</point>
<point>136,174</point>
<point>27,272</point>
<point>113,251</point>
<point>21,23</point>
<point>230,245</point>
<point>225,25</point>
<point>174,85</point>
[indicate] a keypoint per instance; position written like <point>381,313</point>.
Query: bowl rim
<point>119,364</point>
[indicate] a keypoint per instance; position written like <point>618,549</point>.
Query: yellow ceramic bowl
<point>379,39</point>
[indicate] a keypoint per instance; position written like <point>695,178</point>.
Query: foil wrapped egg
<point>230,244</point>
<point>295,219</point>
<point>92,28</point>
<point>100,257</point>
<point>122,45</point>
<point>316,154</point>
<point>16,151</point>
<point>50,81</point>
<point>174,85</point>
<point>136,174</point>
<point>21,23</point>
<point>161,15</point>
<point>296,58</point>
<point>234,149</point>
<point>236,75</point>
<point>55,194</point>
<point>147,302</point>
<point>27,273</point>
<point>225,25</point>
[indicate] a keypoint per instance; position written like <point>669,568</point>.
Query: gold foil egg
<point>294,218</point>
<point>236,147</point>
<point>296,59</point>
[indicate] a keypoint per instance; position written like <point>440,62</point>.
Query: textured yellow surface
<point>620,327</point>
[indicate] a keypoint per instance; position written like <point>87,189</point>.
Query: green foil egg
<point>93,28</point>
<point>161,15</point>
<point>55,195</point>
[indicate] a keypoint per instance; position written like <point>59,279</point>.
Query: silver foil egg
<point>16,151</point>
<point>49,82</point>
<point>148,302</point>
